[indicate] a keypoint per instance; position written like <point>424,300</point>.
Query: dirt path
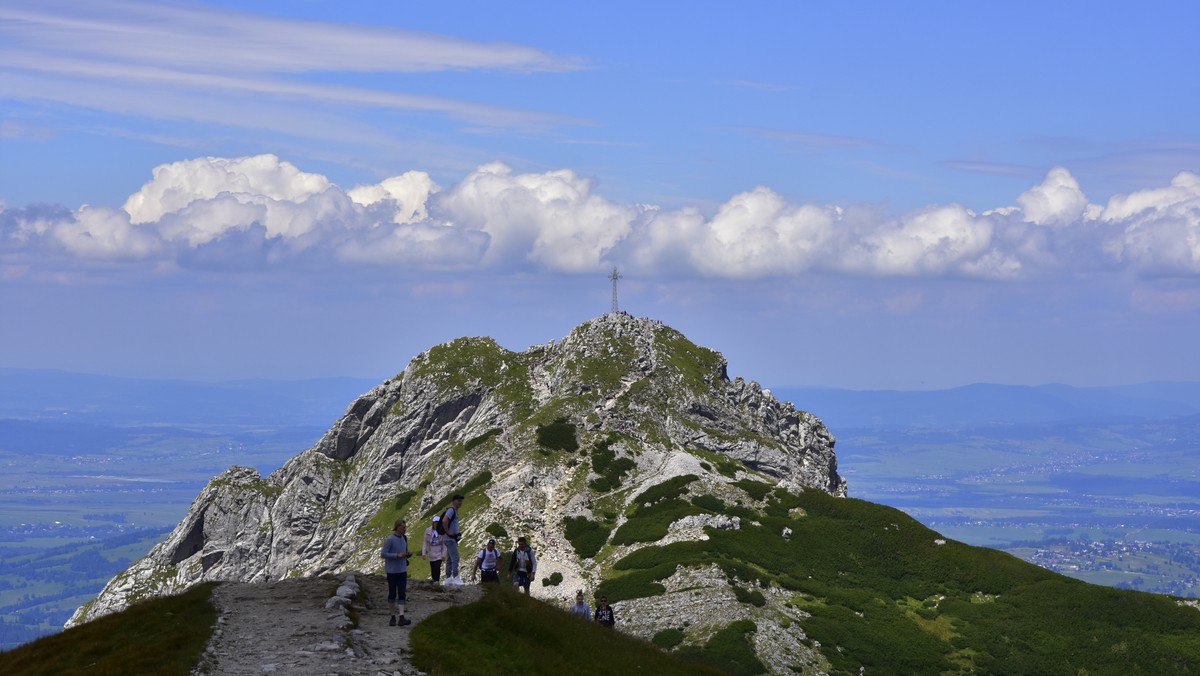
<point>285,627</point>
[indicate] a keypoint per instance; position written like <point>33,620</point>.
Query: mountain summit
<point>711,515</point>
<point>562,442</point>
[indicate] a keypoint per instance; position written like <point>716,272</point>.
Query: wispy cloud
<point>124,56</point>
<point>203,38</point>
<point>815,141</point>
<point>990,168</point>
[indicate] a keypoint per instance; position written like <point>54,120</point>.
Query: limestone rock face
<point>577,428</point>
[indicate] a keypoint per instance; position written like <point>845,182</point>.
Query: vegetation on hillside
<point>510,633</point>
<point>163,636</point>
<point>884,593</point>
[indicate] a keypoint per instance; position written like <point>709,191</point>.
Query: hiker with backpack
<point>522,566</point>
<point>487,562</point>
<point>450,525</point>
<point>434,548</point>
<point>396,554</point>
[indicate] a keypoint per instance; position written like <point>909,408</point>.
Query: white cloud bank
<point>262,212</point>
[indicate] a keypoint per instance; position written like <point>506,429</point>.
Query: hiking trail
<point>286,627</point>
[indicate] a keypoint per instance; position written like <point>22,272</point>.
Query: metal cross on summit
<point>614,276</point>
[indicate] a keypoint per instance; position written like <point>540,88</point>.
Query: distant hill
<point>986,404</point>
<point>42,394</point>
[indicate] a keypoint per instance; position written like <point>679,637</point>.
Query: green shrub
<point>709,503</point>
<point>751,596</point>
<point>482,438</point>
<point>650,524</point>
<point>585,535</point>
<point>637,584</point>
<point>755,489</point>
<point>558,436</point>
<point>554,580</point>
<point>667,638</point>
<point>667,490</point>
<point>496,530</point>
<point>729,650</point>
<point>608,466</point>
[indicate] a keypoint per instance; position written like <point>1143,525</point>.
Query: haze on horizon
<point>870,197</point>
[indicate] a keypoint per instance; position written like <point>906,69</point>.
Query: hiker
<point>453,535</point>
<point>396,555</point>
<point>581,608</point>
<point>604,613</point>
<point>488,561</point>
<point>522,566</point>
<point>434,549</point>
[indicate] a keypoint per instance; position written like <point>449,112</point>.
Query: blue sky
<point>866,195</point>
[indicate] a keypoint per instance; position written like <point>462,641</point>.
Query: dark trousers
<point>435,570</point>
<point>397,587</point>
<point>490,575</point>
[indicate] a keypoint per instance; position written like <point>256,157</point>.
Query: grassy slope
<point>880,591</point>
<point>883,594</point>
<point>162,636</point>
<point>507,632</point>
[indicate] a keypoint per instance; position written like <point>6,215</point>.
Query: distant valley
<point>1102,484</point>
<point>1099,483</point>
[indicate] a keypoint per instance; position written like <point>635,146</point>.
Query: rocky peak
<point>571,431</point>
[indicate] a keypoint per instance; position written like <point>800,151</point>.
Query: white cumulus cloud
<point>263,212</point>
<point>1160,228</point>
<point>551,220</point>
<point>1055,201</point>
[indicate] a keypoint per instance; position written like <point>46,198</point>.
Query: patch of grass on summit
<point>701,367</point>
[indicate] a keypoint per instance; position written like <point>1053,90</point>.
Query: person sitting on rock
<point>487,561</point>
<point>395,554</point>
<point>434,549</point>
<point>522,565</point>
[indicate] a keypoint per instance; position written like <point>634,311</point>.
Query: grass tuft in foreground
<point>508,632</point>
<point>160,636</point>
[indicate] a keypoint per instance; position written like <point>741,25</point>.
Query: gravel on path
<point>298,627</point>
